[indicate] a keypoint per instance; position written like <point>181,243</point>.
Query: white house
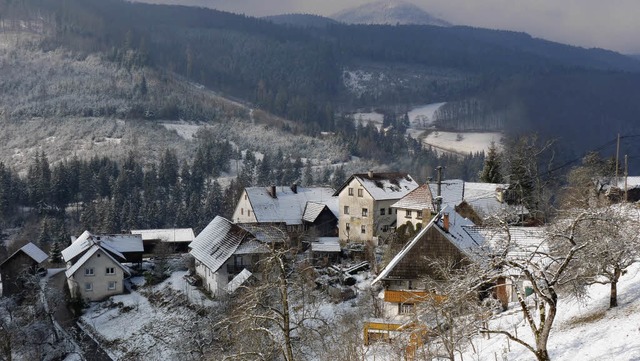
<point>97,274</point>
<point>94,268</point>
<point>365,202</point>
<point>417,207</point>
<point>227,254</point>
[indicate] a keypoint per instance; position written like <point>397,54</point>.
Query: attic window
<point>359,192</point>
<point>350,191</point>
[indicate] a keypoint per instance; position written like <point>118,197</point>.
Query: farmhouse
<point>16,269</point>
<point>227,254</point>
<point>365,202</point>
<point>301,209</point>
<point>98,273</point>
<point>129,245</point>
<point>448,237</point>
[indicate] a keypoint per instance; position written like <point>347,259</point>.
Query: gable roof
<point>174,235</point>
<point>460,234</point>
<point>313,210</point>
<point>266,232</point>
<point>217,242</point>
<point>418,199</point>
<point>114,243</point>
<point>87,256</point>
<point>383,186</point>
<point>287,206</point>
<point>480,196</point>
<point>31,250</point>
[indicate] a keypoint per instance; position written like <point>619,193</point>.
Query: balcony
<point>410,296</point>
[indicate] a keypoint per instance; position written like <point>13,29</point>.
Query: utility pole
<point>439,193</point>
<point>617,156</point>
<point>626,175</point>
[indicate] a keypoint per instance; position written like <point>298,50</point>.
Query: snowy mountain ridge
<point>389,12</point>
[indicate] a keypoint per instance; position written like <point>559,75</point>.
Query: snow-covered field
<point>365,118</point>
<point>461,143</point>
<point>422,117</point>
<point>184,129</point>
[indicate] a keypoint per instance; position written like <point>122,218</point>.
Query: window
<point>88,286</point>
<point>350,191</point>
<point>359,192</point>
<point>365,212</point>
<point>419,214</point>
<point>406,308</point>
<point>88,271</point>
<point>242,211</point>
<point>385,229</point>
<point>111,270</point>
<point>111,285</point>
<point>390,212</point>
<point>382,211</point>
<point>248,212</point>
<point>347,227</point>
<point>346,210</point>
<point>408,215</point>
<point>363,229</point>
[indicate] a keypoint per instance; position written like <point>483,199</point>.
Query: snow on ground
<point>184,129</point>
<point>582,331</point>
<point>125,322</point>
<point>422,117</point>
<point>365,118</point>
<point>461,143</point>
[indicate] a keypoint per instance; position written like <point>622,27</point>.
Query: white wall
<point>99,280</point>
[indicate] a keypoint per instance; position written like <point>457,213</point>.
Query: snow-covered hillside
<point>586,330</point>
<point>388,12</point>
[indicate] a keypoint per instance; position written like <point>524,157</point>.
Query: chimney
<point>294,188</point>
<point>272,191</point>
<point>445,222</point>
<point>500,194</point>
<point>370,174</point>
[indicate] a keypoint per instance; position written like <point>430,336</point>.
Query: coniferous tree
<point>308,174</point>
<point>491,172</point>
<point>55,256</point>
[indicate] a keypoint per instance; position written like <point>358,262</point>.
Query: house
<point>620,189</point>
<point>416,208</point>
<point>365,202</point>
<point>227,254</point>
<point>129,245</point>
<point>177,239</point>
<point>97,273</point>
<point>478,200</point>
<point>21,263</point>
<point>301,209</point>
<point>447,237</point>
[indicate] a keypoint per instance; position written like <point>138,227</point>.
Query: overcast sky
<point>610,24</point>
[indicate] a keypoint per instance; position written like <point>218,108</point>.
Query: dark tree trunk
<point>613,297</point>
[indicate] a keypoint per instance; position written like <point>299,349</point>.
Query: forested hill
<point>305,74</point>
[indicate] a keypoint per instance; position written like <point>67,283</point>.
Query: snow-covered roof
<point>481,196</point>
<point>217,242</point>
<point>85,257</point>
<point>174,235</point>
<point>31,250</point>
<point>607,183</point>
<point>418,199</point>
<point>312,211</point>
<point>115,243</point>
<point>238,280</point>
<point>251,247</point>
<point>383,186</point>
<point>460,233</point>
<point>288,205</point>
<point>266,232</point>
<point>34,252</point>
<point>326,244</point>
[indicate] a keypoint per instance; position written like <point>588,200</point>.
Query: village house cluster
<point>439,221</point>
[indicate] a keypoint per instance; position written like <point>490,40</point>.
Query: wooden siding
<point>410,296</point>
<point>416,264</point>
